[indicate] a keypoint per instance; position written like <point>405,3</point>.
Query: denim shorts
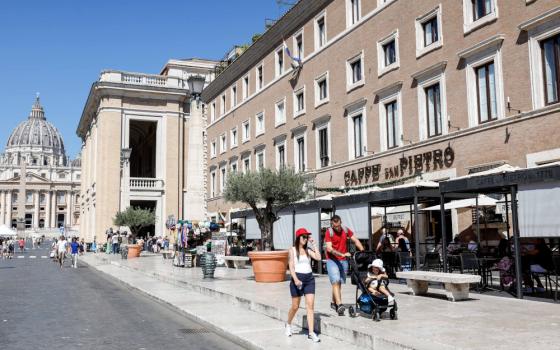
<point>307,287</point>
<point>337,270</point>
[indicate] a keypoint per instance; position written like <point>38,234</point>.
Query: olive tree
<point>135,218</point>
<point>266,192</point>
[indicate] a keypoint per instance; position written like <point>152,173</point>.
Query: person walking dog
<point>303,281</point>
<point>337,265</point>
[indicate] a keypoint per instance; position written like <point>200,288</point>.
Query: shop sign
<point>408,166</point>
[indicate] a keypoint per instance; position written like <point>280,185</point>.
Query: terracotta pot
<point>133,250</point>
<point>269,267</point>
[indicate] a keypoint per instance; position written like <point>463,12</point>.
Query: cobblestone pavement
<point>44,307</point>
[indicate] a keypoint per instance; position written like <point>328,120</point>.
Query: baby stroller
<point>367,304</point>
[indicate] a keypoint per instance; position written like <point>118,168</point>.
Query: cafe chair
<point>432,262</point>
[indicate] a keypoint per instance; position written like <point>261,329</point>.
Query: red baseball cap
<point>302,232</point>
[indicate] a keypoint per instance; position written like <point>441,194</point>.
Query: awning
<point>483,201</point>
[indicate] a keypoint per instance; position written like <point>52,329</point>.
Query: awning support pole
<point>517,247</point>
<point>477,222</point>
<point>443,231</point>
<point>320,245</point>
<point>416,230</point>
<point>370,233</point>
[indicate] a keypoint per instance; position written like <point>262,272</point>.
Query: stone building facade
<point>39,184</point>
<point>379,91</point>
<point>150,118</point>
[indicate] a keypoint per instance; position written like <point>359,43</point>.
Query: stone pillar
<point>53,210</point>
<point>2,208</point>
<point>69,198</point>
<point>48,210</point>
<point>36,212</point>
<point>9,209</point>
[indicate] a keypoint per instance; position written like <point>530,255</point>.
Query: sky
<point>58,47</point>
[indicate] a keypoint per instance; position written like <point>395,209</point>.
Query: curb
<point>218,330</point>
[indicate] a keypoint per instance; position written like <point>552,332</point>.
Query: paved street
<point>43,307</point>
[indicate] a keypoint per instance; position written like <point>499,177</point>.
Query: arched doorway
<point>14,223</point>
<point>28,221</point>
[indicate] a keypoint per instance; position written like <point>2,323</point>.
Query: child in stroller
<point>372,294</point>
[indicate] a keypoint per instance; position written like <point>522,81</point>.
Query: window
<point>486,92</point>
<point>233,96</point>
<point>320,32</point>
<point>392,124</point>
<point>321,89</point>
<point>428,32</point>
<point>223,179</point>
<point>355,68</point>
<point>279,61</point>
<point>259,77</point>
<point>299,102</point>
<point>388,53</point>
<point>213,112</point>
<point>43,199</point>
<point>245,87</point>
<point>280,117</point>
<point>247,164</point>
<point>259,124</point>
<point>233,167</point>
<point>432,106</point>
<point>433,110</point>
<point>61,175</point>
<point>298,45</point>
<point>430,29</point>
<point>260,159</point>
<point>481,8</point>
<point>357,124</point>
<point>246,131</point>
<point>213,184</point>
<point>352,12</point>
<point>300,153</point>
<point>281,156</point>
<point>213,149</point>
<point>223,105</point>
<point>61,198</point>
<point>477,13</point>
<point>324,149</point>
<point>223,143</point>
<point>29,197</point>
<point>551,68</point>
<point>233,137</point>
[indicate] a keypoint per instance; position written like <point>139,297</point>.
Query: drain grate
<point>194,330</point>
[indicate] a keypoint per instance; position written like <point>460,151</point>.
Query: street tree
<point>266,192</point>
<point>135,218</point>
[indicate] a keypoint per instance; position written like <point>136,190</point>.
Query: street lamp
<point>196,84</point>
<point>125,155</point>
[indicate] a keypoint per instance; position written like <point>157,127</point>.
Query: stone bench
<point>456,285</point>
<point>167,254</point>
<point>237,262</point>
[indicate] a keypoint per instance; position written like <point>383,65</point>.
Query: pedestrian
<point>11,248</point>
<point>303,281</point>
<point>337,253</point>
<point>94,245</point>
<point>62,248</point>
<point>82,246</point>
<point>403,244</point>
<point>115,240</point>
<point>75,250</point>
<point>21,244</point>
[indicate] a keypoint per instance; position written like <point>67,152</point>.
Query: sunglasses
<point>304,237</point>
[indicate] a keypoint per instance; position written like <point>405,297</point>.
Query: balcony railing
<point>138,183</point>
<point>142,79</point>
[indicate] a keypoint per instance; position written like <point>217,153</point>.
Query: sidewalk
<point>424,322</point>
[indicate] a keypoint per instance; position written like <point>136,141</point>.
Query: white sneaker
<point>390,300</point>
<point>314,337</point>
<point>288,330</point>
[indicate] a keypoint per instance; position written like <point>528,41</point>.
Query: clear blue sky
<point>59,47</point>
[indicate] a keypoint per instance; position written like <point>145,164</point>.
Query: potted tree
<point>135,219</point>
<point>266,192</point>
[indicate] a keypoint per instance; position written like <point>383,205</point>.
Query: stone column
<point>3,208</point>
<point>48,210</point>
<point>36,213</point>
<point>9,209</point>
<point>69,196</point>
<point>53,209</point>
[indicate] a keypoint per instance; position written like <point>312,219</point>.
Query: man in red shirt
<point>337,252</point>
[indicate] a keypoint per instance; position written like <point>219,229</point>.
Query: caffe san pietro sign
<point>416,164</point>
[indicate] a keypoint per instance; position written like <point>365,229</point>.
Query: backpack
<point>349,244</point>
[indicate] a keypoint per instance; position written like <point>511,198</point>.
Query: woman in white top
<point>303,282</point>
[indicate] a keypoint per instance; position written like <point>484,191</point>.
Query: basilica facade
<point>39,184</point>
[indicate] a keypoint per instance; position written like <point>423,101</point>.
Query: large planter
<point>269,267</point>
<point>134,250</point>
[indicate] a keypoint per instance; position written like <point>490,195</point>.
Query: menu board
<point>219,244</point>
